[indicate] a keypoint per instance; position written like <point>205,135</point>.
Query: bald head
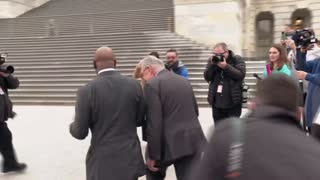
<point>104,58</point>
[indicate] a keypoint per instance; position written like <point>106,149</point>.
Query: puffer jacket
<point>234,75</point>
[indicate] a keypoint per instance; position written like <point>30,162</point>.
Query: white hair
<point>150,61</point>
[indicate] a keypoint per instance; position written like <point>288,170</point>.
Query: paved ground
<point>42,139</point>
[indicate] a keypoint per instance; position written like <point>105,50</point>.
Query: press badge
<point>219,89</point>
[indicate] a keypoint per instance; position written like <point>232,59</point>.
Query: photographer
<point>225,72</point>
<point>7,81</point>
<point>173,64</point>
<point>308,70</point>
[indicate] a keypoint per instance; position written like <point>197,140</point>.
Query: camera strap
<point>221,77</point>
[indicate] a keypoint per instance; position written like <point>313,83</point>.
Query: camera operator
<point>308,70</point>
<point>225,72</point>
<point>174,64</point>
<point>7,81</point>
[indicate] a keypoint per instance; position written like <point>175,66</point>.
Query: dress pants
<point>6,146</point>
<point>182,166</point>
<point>220,114</point>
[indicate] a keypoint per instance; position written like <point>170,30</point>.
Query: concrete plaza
<point>42,140</point>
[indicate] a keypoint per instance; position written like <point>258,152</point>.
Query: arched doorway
<point>264,33</point>
<point>301,18</point>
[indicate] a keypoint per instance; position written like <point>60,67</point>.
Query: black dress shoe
<point>16,168</point>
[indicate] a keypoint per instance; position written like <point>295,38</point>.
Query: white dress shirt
<point>105,70</point>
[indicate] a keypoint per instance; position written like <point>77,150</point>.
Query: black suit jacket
<point>9,82</point>
<point>111,106</point>
<point>172,126</point>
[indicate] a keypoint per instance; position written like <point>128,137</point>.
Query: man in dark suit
<point>111,106</point>
<point>10,163</point>
<point>173,131</point>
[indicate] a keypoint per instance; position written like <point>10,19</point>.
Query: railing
<point>90,23</point>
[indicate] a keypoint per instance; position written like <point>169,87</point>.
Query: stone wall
<point>14,8</point>
<point>210,21</point>
<point>282,11</point>
<point>234,21</point>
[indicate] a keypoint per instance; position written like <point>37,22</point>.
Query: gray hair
<point>223,45</point>
<point>150,61</point>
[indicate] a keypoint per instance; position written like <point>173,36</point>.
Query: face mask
<point>314,53</point>
<point>173,65</point>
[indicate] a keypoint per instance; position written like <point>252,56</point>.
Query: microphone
<point>257,76</point>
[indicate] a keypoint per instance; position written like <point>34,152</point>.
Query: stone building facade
<point>249,26</point>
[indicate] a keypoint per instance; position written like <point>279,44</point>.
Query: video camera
<point>303,38</point>
<point>5,68</point>
<point>216,58</point>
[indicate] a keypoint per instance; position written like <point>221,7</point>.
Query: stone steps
<point>51,74</point>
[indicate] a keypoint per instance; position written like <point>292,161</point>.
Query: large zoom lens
<point>7,69</point>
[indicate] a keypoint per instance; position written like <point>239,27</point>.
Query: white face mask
<point>313,53</point>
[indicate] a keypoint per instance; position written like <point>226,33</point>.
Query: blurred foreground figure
<point>111,106</point>
<point>266,145</point>
<point>316,127</point>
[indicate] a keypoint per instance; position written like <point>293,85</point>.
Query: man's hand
<point>223,64</point>
<point>151,165</point>
<point>4,74</point>
<point>302,74</point>
<point>290,43</point>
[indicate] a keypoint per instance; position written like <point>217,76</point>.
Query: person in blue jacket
<point>310,71</point>
<point>175,65</point>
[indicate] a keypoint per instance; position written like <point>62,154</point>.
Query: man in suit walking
<point>173,131</point>
<point>111,106</point>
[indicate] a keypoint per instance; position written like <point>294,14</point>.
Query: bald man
<point>111,106</point>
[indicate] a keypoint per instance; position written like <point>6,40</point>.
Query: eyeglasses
<point>219,53</point>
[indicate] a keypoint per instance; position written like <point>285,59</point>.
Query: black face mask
<point>173,65</point>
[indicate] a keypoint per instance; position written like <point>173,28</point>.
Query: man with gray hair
<point>172,128</point>
<point>225,72</point>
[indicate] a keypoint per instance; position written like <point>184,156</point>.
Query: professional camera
<point>303,38</point>
<point>5,68</point>
<point>216,58</point>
